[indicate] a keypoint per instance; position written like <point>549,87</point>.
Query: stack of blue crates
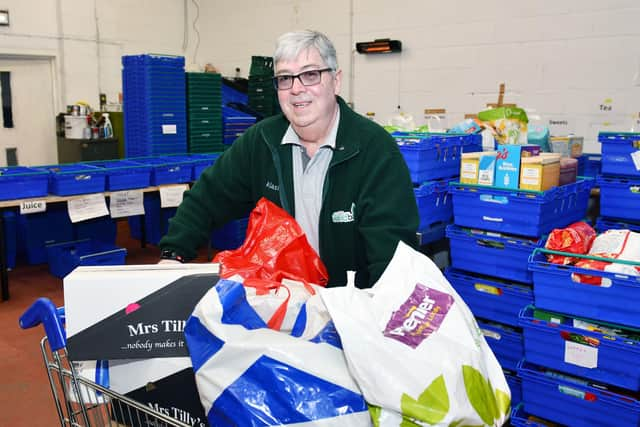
<point>235,123</point>
<point>434,160</point>
<point>156,220</point>
<point>495,231</point>
<point>620,180</point>
<point>582,340</point>
<point>231,235</point>
<point>154,97</point>
<point>201,161</point>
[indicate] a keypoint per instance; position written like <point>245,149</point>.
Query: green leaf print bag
<point>415,349</point>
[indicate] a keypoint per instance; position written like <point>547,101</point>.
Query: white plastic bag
<point>415,349</point>
<point>250,375</point>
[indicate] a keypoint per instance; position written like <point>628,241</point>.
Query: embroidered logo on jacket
<point>343,216</point>
<point>271,186</point>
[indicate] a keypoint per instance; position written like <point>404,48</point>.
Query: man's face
<point>308,106</point>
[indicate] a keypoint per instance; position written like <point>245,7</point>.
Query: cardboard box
<point>133,311</point>
<point>133,316</point>
<point>487,168</point>
<point>530,150</point>
<point>567,146</point>
<point>541,172</point>
<point>508,166</point>
<point>568,170</point>
<point>167,385</point>
<point>469,167</point>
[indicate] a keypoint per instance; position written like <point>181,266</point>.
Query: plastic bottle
<point>107,127</point>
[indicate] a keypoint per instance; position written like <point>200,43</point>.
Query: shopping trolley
<point>80,401</point>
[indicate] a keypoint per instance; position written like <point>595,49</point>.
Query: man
<point>339,174</point>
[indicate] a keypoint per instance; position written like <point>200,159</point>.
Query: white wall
<point>562,58</point>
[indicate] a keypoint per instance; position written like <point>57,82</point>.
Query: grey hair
<point>289,46</point>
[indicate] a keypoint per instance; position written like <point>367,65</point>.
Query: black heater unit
<point>379,46</point>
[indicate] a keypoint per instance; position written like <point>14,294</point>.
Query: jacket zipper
<point>325,190</point>
<point>284,201</point>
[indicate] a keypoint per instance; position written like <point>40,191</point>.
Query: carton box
<point>508,166</point>
<point>469,167</point>
<point>568,170</point>
<point>541,172</point>
<point>530,150</point>
<point>567,146</point>
<point>133,316</point>
<point>132,311</point>
<point>487,168</point>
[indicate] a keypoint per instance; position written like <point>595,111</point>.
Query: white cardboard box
<point>97,325</point>
<point>133,311</point>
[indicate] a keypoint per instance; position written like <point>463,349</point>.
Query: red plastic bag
<point>275,248</point>
<point>577,238</point>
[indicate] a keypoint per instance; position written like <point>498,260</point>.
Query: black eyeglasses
<point>307,78</point>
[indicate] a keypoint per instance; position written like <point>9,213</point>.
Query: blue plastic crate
<point>230,95</point>
<point>519,418</point>
<point>156,220</point>
<point>201,162</point>
<point>432,156</point>
<point>37,230</point>
<point>168,169</point>
<point>77,178</point>
<point>506,343</point>
<point>604,224</point>
<point>557,288</point>
<point>491,254</point>
<point>124,174</point>
<point>515,386</point>
<point>491,298</point>
<point>19,182</point>
<point>618,151</point>
<point>619,197</point>
<point>64,257</point>
<point>554,341</point>
<point>10,226</point>
<point>520,212</point>
<point>589,164</point>
<point>434,204</point>
<point>432,234</point>
<point>231,235</point>
<point>153,60</point>
<point>103,229</point>
<point>576,402</point>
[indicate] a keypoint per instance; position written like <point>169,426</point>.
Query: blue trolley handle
<point>45,312</point>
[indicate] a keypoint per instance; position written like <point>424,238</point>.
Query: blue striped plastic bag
<point>250,375</point>
<point>415,349</point>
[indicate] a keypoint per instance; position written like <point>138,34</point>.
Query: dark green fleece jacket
<point>368,204</point>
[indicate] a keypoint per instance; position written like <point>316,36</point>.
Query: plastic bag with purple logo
<point>415,349</point>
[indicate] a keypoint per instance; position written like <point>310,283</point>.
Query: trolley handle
<point>44,311</point>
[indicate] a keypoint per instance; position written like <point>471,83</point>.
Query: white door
<point>34,132</point>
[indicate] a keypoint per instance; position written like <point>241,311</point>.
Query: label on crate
<point>171,195</point>
<point>635,156</point>
<point>480,287</point>
<point>580,355</point>
<point>169,129</point>
<point>32,206</point>
<point>126,203</point>
<point>87,207</point>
